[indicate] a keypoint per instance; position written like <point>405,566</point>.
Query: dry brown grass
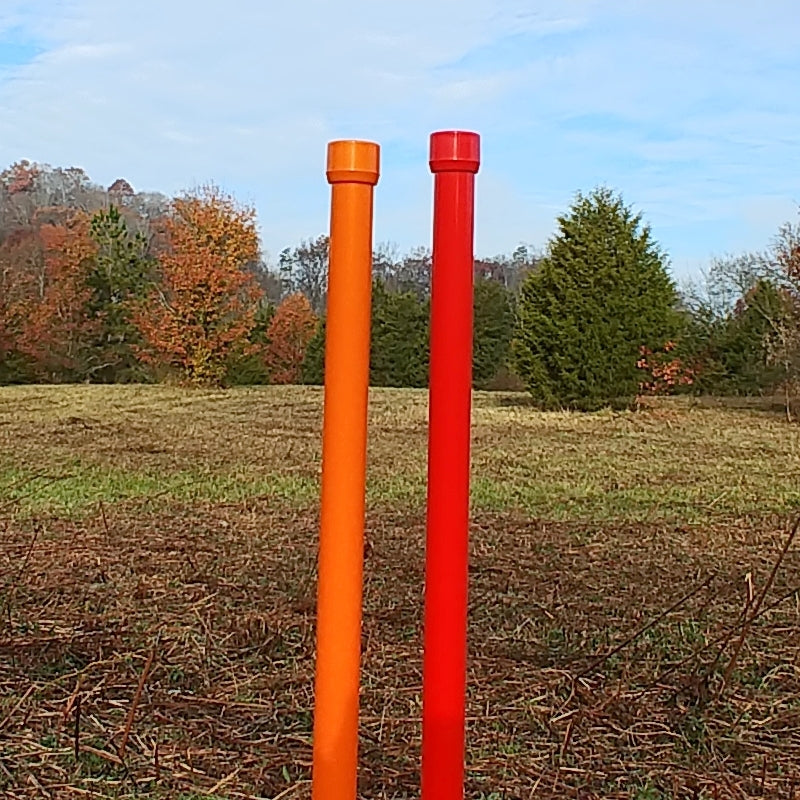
<point>162,646</point>
<point>676,462</point>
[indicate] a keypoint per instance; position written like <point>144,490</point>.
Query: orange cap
<point>353,161</point>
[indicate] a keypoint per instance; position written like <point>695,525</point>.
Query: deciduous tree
<point>204,305</point>
<point>304,269</point>
<point>290,330</point>
<point>59,328</point>
<point>21,276</point>
<point>785,344</point>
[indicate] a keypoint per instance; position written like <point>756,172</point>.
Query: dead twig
<point>11,587</point>
<point>634,636</point>
<point>77,730</point>
<point>132,711</point>
<point>749,622</point>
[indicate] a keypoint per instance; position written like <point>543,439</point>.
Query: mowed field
<point>634,612</point>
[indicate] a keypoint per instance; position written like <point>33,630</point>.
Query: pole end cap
<point>353,161</point>
<point>455,151</point>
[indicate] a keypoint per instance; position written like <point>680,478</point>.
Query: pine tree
<point>740,345</point>
<point>120,276</point>
<point>400,336</point>
<point>493,327</point>
<point>601,293</point>
<point>313,371</point>
<point>247,365</point>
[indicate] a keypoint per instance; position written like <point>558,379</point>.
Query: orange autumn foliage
<point>204,308</point>
<point>290,330</point>
<point>57,329</point>
<point>665,373</point>
<point>20,263</point>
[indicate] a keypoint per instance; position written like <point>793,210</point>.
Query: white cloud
<point>247,93</point>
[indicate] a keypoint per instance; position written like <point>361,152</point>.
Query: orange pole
<point>353,168</point>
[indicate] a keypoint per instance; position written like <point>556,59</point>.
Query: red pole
<point>454,160</point>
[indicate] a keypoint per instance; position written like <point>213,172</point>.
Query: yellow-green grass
<point>64,449</point>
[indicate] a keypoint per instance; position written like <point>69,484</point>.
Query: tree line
<point>104,285</point>
<point>107,285</point>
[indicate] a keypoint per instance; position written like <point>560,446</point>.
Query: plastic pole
<point>454,160</point>
<point>353,168</point>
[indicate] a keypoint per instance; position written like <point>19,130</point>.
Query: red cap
<point>455,151</point>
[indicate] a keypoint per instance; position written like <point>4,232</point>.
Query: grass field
<point>634,617</point>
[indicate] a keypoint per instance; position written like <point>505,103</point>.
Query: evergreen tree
<point>313,371</point>
<point>493,327</point>
<point>602,291</point>
<point>732,349</point>
<point>400,338</point>
<point>247,365</point>
<point>749,331</point>
<point>120,274</point>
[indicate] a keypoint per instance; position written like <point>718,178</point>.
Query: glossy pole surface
<point>454,160</point>
<point>353,168</point>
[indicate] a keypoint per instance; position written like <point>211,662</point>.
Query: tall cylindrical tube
<point>454,160</point>
<point>353,168</point>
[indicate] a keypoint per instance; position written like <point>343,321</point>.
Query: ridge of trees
<point>110,285</point>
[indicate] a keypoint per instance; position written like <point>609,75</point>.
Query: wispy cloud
<point>686,107</point>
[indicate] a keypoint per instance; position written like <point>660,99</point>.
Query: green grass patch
<point>64,449</point>
<point>84,486</point>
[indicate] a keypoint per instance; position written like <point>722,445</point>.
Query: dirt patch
<point>580,685</point>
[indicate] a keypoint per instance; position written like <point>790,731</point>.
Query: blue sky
<point>690,109</point>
